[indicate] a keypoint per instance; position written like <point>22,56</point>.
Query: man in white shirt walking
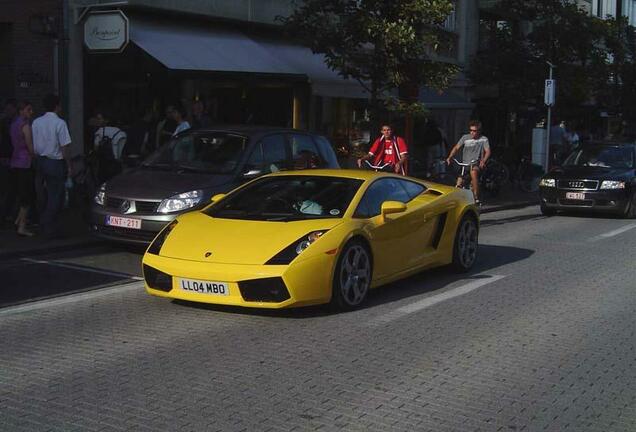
<point>51,141</point>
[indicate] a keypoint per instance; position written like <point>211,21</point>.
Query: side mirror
<point>217,197</point>
<point>252,173</point>
<point>390,207</point>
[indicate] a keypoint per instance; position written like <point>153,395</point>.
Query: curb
<point>45,249</point>
<point>510,206</point>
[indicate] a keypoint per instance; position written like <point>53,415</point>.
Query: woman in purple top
<point>22,141</point>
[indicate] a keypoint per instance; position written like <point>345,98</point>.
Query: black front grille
<point>578,184</point>
<point>131,234</point>
<point>114,202</point>
<point>157,279</point>
<point>571,202</point>
<point>146,206</point>
<point>268,290</point>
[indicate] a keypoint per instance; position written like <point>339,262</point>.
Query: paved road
<point>541,336</point>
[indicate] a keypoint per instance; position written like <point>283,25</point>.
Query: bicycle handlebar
<point>472,162</point>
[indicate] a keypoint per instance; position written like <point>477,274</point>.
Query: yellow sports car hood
<point>199,237</point>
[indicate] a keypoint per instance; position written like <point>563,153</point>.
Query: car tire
<point>352,277</point>
<point>466,245</point>
<point>546,211</point>
<point>630,208</point>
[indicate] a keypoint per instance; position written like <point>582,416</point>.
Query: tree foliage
<point>383,44</point>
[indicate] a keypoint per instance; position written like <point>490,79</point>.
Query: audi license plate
<point>204,287</point>
<point>123,222</point>
<point>575,195</point>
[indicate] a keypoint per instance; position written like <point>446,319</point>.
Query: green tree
<point>383,44</point>
<point>530,33</point>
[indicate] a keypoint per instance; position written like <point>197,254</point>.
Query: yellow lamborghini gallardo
<point>301,238</point>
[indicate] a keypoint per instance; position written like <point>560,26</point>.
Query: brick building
<point>31,49</point>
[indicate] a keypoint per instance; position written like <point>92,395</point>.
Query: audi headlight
<point>100,197</point>
<point>612,184</point>
<point>288,254</point>
<point>547,182</point>
<point>180,202</point>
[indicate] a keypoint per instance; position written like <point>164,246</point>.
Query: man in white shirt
<point>51,141</point>
<point>116,136</point>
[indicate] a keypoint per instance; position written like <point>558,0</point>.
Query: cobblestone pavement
<point>543,338</point>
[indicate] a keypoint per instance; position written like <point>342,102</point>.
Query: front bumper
<point>611,200</point>
<point>307,282</point>
<point>150,226</point>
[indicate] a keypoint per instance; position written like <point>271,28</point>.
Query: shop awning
<point>220,49</point>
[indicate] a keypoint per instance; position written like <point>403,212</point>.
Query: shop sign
<point>106,31</point>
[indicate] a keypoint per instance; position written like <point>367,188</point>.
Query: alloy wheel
<point>467,243</point>
<point>355,275</point>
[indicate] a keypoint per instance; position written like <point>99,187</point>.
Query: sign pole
<point>549,99</point>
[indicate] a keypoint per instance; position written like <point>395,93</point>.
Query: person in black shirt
<point>10,110</point>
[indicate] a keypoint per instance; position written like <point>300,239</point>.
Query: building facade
<point>229,55</point>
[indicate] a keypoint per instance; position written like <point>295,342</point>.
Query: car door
<point>428,220</point>
<point>395,240</point>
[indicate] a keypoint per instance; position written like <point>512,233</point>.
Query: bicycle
<point>465,173</point>
<point>386,167</point>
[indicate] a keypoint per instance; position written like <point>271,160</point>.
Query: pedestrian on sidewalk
<point>51,141</point>
<point>22,141</point>
<point>179,116</point>
<point>6,197</point>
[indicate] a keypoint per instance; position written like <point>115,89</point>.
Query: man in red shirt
<point>389,153</point>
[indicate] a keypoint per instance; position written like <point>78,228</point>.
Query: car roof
<point>249,129</point>
<point>608,144</point>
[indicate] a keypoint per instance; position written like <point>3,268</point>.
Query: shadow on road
<point>491,257</point>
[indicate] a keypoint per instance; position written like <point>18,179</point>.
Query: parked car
<point>599,176</point>
<point>186,172</point>
<point>309,237</point>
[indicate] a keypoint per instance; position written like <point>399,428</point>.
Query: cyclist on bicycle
<point>476,148</point>
<point>389,153</point>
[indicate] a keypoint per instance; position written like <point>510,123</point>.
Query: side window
<point>380,191</point>
<point>274,153</point>
<point>326,149</point>
<point>304,152</point>
<point>412,189</point>
<point>256,161</point>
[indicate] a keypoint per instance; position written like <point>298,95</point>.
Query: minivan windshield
<point>288,198</point>
<point>210,152</point>
<point>602,156</point>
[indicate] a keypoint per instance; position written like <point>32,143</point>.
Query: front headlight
<point>288,254</point>
<point>612,184</point>
<point>547,182</point>
<point>100,197</point>
<point>180,202</point>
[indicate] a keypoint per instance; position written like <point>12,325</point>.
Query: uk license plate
<point>575,195</point>
<point>204,287</point>
<point>123,222</point>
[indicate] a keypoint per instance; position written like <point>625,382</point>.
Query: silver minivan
<point>185,173</point>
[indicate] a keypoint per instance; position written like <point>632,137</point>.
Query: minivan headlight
<point>612,184</point>
<point>179,202</point>
<point>100,196</point>
<point>547,182</point>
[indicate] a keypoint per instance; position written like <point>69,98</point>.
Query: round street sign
<point>106,31</point>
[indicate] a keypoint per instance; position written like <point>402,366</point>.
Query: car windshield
<point>213,152</point>
<point>602,156</point>
<point>288,198</point>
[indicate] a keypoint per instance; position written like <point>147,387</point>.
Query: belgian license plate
<point>204,287</point>
<point>123,222</point>
<point>575,195</point>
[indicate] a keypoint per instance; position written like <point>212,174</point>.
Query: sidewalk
<point>75,232</point>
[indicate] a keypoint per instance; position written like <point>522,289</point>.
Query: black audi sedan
<point>599,176</point>
<point>188,171</point>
